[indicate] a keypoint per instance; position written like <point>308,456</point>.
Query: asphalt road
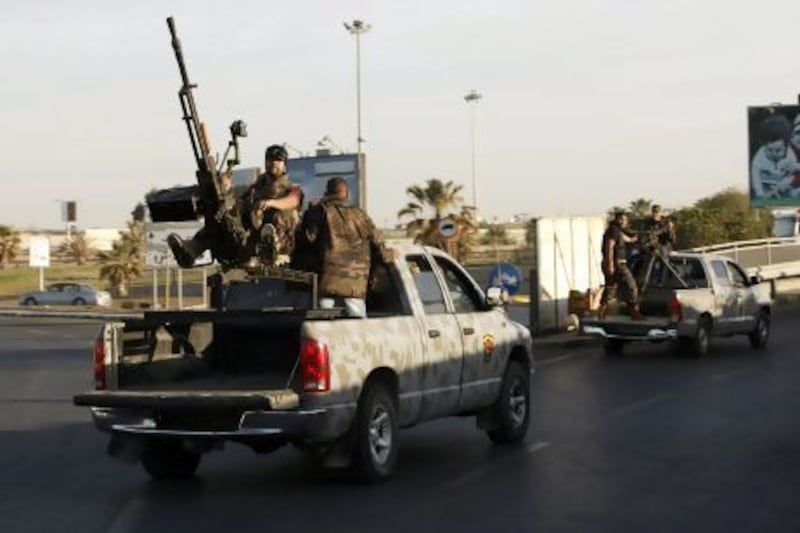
<point>648,442</point>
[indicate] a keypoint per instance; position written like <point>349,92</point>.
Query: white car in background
<point>66,294</point>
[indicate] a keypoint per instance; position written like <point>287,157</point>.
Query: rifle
<point>228,238</point>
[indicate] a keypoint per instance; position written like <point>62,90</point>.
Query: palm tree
<point>78,248</point>
<point>9,245</point>
<point>434,194</point>
<point>125,261</point>
<point>438,198</point>
<point>640,208</point>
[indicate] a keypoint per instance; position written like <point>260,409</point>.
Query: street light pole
<point>357,27</point>
<point>472,98</point>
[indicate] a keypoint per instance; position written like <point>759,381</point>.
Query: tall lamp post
<point>357,27</point>
<point>472,98</point>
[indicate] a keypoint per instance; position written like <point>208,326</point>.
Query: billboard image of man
<point>774,162</point>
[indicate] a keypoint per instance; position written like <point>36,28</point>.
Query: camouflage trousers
<point>621,278</point>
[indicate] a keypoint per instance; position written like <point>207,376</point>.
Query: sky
<point>587,104</point>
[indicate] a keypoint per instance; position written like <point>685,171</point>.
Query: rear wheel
<point>513,405</point>
<point>760,334</point>
<point>376,442</point>
<point>168,459</point>
<point>702,338</point>
<point>613,347</point>
<point>30,301</point>
<point>78,301</point>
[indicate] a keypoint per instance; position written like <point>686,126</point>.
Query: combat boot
<point>267,247</point>
<point>636,314</point>
<point>185,251</point>
<point>602,311</point>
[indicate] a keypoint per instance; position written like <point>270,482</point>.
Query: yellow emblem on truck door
<point>488,345</point>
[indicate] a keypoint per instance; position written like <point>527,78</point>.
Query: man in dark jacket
<point>615,265</point>
<point>339,241</point>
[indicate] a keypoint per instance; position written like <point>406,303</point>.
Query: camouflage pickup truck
<point>267,367</point>
<point>688,299</point>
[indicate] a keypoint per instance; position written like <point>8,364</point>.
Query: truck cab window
<point>382,296</point>
<point>721,273</point>
<point>737,276</point>
<point>465,297</point>
<point>427,285</point>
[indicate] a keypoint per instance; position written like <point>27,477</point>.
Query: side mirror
<point>496,296</point>
<point>755,280</point>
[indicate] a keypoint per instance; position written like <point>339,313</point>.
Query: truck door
<point>725,298</point>
<point>481,329</point>
<point>744,319</point>
<point>444,354</point>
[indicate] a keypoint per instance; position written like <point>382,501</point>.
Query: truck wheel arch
<point>520,355</point>
<point>384,375</point>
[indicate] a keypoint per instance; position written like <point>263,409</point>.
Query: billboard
<point>774,142</point>
<point>312,173</point>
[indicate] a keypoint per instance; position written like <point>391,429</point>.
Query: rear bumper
<point>647,333</point>
<point>294,424</point>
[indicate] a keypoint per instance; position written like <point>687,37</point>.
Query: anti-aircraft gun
<point>212,198</point>
<point>248,279</point>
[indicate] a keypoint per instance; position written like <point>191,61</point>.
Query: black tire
<point>376,433</point>
<point>78,301</point>
<point>760,334</point>
<point>168,459</point>
<point>613,347</point>
<point>701,342</point>
<point>513,407</point>
<point>30,301</point>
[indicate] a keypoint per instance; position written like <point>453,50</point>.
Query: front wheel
<point>513,405</point>
<point>30,301</point>
<point>78,301</point>
<point>760,334</point>
<point>376,441</point>
<point>168,459</point>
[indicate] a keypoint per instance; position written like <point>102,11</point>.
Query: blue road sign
<point>507,276</point>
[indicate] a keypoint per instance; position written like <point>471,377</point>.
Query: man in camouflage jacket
<point>339,241</point>
<point>265,218</point>
<point>271,207</point>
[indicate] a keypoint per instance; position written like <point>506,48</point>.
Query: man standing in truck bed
<point>615,265</point>
<point>339,241</point>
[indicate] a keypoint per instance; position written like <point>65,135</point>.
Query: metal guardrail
<point>772,258</point>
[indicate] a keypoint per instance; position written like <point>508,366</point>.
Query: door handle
<point>433,333</point>
<point>468,331</point>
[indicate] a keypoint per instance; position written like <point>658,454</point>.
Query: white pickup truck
<point>267,367</point>
<point>694,298</point>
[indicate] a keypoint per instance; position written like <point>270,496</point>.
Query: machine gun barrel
<point>206,171</point>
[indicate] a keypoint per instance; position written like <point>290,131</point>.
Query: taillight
<point>674,308</point>
<point>315,371</point>
<point>99,364</point>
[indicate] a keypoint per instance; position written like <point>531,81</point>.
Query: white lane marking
<point>530,449</point>
<point>128,517</point>
<point>557,359</point>
<point>642,404</point>
<point>732,374</point>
